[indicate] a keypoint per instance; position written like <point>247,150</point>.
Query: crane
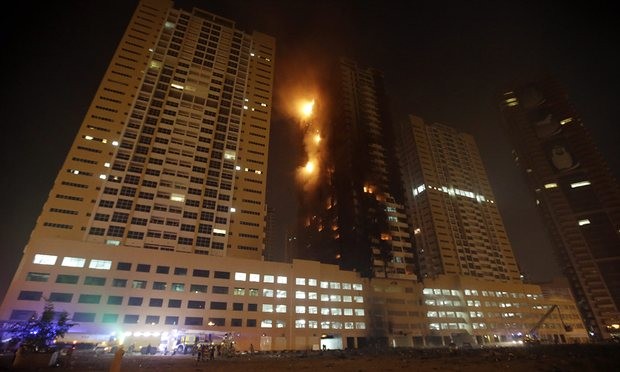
<point>531,336</point>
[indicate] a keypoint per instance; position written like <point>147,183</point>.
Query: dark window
<point>115,300</point>
<point>222,275</point>
<point>156,302</point>
<point>198,288</point>
<point>125,266</point>
<point>180,271</point>
<point>122,283</point>
<point>152,319</point>
<point>252,307</point>
<point>250,323</point>
<point>172,320</point>
<point>237,306</point>
<point>89,299</point>
<point>61,297</point>
<point>196,304</point>
<point>67,279</point>
<point>220,290</point>
<point>215,305</point>
<point>143,268</point>
<point>163,269</point>
<point>159,285</point>
<point>30,295</point>
<point>135,301</point>
<point>83,317</point>
<point>174,303</point>
<point>201,273</point>
<point>193,320</point>
<point>22,314</point>
<point>139,284</point>
<point>94,280</point>
<point>236,322</point>
<point>131,319</point>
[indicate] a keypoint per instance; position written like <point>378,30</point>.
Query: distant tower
<point>356,218</point>
<point>457,226</point>
<point>576,194</point>
<point>270,234</point>
<point>170,157</point>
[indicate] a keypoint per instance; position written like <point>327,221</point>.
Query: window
<point>135,301</point>
<point>201,273</point>
<point>312,282</point>
<point>267,323</point>
<point>267,292</point>
<point>237,306</point>
<point>73,262</point>
<point>124,266</point>
<point>67,279</point>
<point>280,293</point>
<point>115,300</point>
<point>109,318</point>
<point>139,284</point>
<point>221,275</point>
<point>219,290</point>
<point>198,288</point>
<point>254,277</point>
<point>253,292</point>
<point>252,307</point>
<point>268,279</point>
<point>100,264</point>
<point>30,295</point>
<point>156,302</point>
<point>121,283</point>
<point>191,304</point>
<point>250,323</point>
<point>240,276</point>
<point>60,297</point>
<point>280,308</point>
<point>152,319</point>
<point>83,317</point>
<point>300,281</point>
<point>174,303</point>
<point>143,268</point>
<point>215,305</point>
<point>94,280</point>
<point>160,286</point>
<point>236,322</point>
<point>37,277</point>
<point>163,269</point>
<point>178,287</point>
<point>131,319</point>
<point>282,279</point>
<point>180,271</point>
<point>193,320</point>
<point>172,320</point>
<point>89,299</point>
<point>44,259</point>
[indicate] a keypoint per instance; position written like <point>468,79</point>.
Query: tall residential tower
<point>575,192</point>
<point>169,164</point>
<point>356,218</point>
<point>458,228</point>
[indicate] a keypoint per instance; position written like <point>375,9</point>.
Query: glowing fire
<point>309,168</point>
<point>306,109</point>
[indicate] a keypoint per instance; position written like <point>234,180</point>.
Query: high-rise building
<point>458,227</point>
<point>171,157</point>
<point>576,194</point>
<point>356,216</point>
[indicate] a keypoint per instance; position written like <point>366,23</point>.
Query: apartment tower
<point>457,226</point>
<point>170,157</point>
<point>576,194</point>
<point>357,219</point>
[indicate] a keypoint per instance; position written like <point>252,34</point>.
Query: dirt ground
<point>581,358</point>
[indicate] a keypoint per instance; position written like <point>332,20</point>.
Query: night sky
<point>444,61</point>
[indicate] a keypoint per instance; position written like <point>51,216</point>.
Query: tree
<point>40,332</point>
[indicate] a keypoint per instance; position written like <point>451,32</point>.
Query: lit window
<point>73,262</point>
<point>239,292</point>
<point>177,197</point>
<point>579,184</point>
<point>268,278</point>
<point>280,293</point>
<point>300,281</point>
<point>324,284</point>
<point>312,295</point>
<point>551,185</point>
<point>255,277</point>
<point>300,309</point>
<point>324,297</point>
<point>359,312</point>
<point>267,308</point>
<point>348,312</point>
<point>334,285</point>
<point>300,323</point>
<point>266,323</point>
<point>358,299</point>
<point>44,259</point>
<point>313,324</point>
<point>280,308</point>
<point>312,282</point>
<point>348,325</point>
<point>357,287</point>
<point>300,295</point>
<point>100,264</point>
<point>346,286</point>
<point>585,221</point>
<point>282,280</point>
<point>240,276</point>
<point>313,310</point>
<point>325,325</point>
<point>177,86</point>
<point>335,298</point>
<point>336,311</point>
<point>103,176</point>
<point>267,292</point>
<point>324,311</point>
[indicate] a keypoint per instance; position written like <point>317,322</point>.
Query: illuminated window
<point>336,325</point>
<point>300,309</point>
<point>335,298</point>
<point>312,282</point>
<point>346,286</point>
<point>325,311</point>
<point>282,280</point>
<point>267,292</point>
<point>334,285</point>
<point>312,295</point>
<point>300,281</point>
<point>100,264</point>
<point>359,312</point>
<point>358,299</point>
<point>266,323</point>
<point>313,310</point>
<point>348,312</point>
<point>268,278</point>
<point>313,324</point>
<point>239,292</point>
<point>267,308</point>
<point>347,299</point>
<point>348,325</point>
<point>240,276</point>
<point>280,308</point>
<point>324,297</point>
<point>44,259</point>
<point>324,284</point>
<point>280,293</point>
<point>585,221</point>
<point>325,325</point>
<point>336,311</point>
<point>300,323</point>
<point>300,295</point>
<point>255,277</point>
<point>358,287</point>
<point>73,262</point>
<point>579,184</point>
<point>177,197</point>
<point>551,185</point>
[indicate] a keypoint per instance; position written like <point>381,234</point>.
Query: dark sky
<point>443,61</point>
